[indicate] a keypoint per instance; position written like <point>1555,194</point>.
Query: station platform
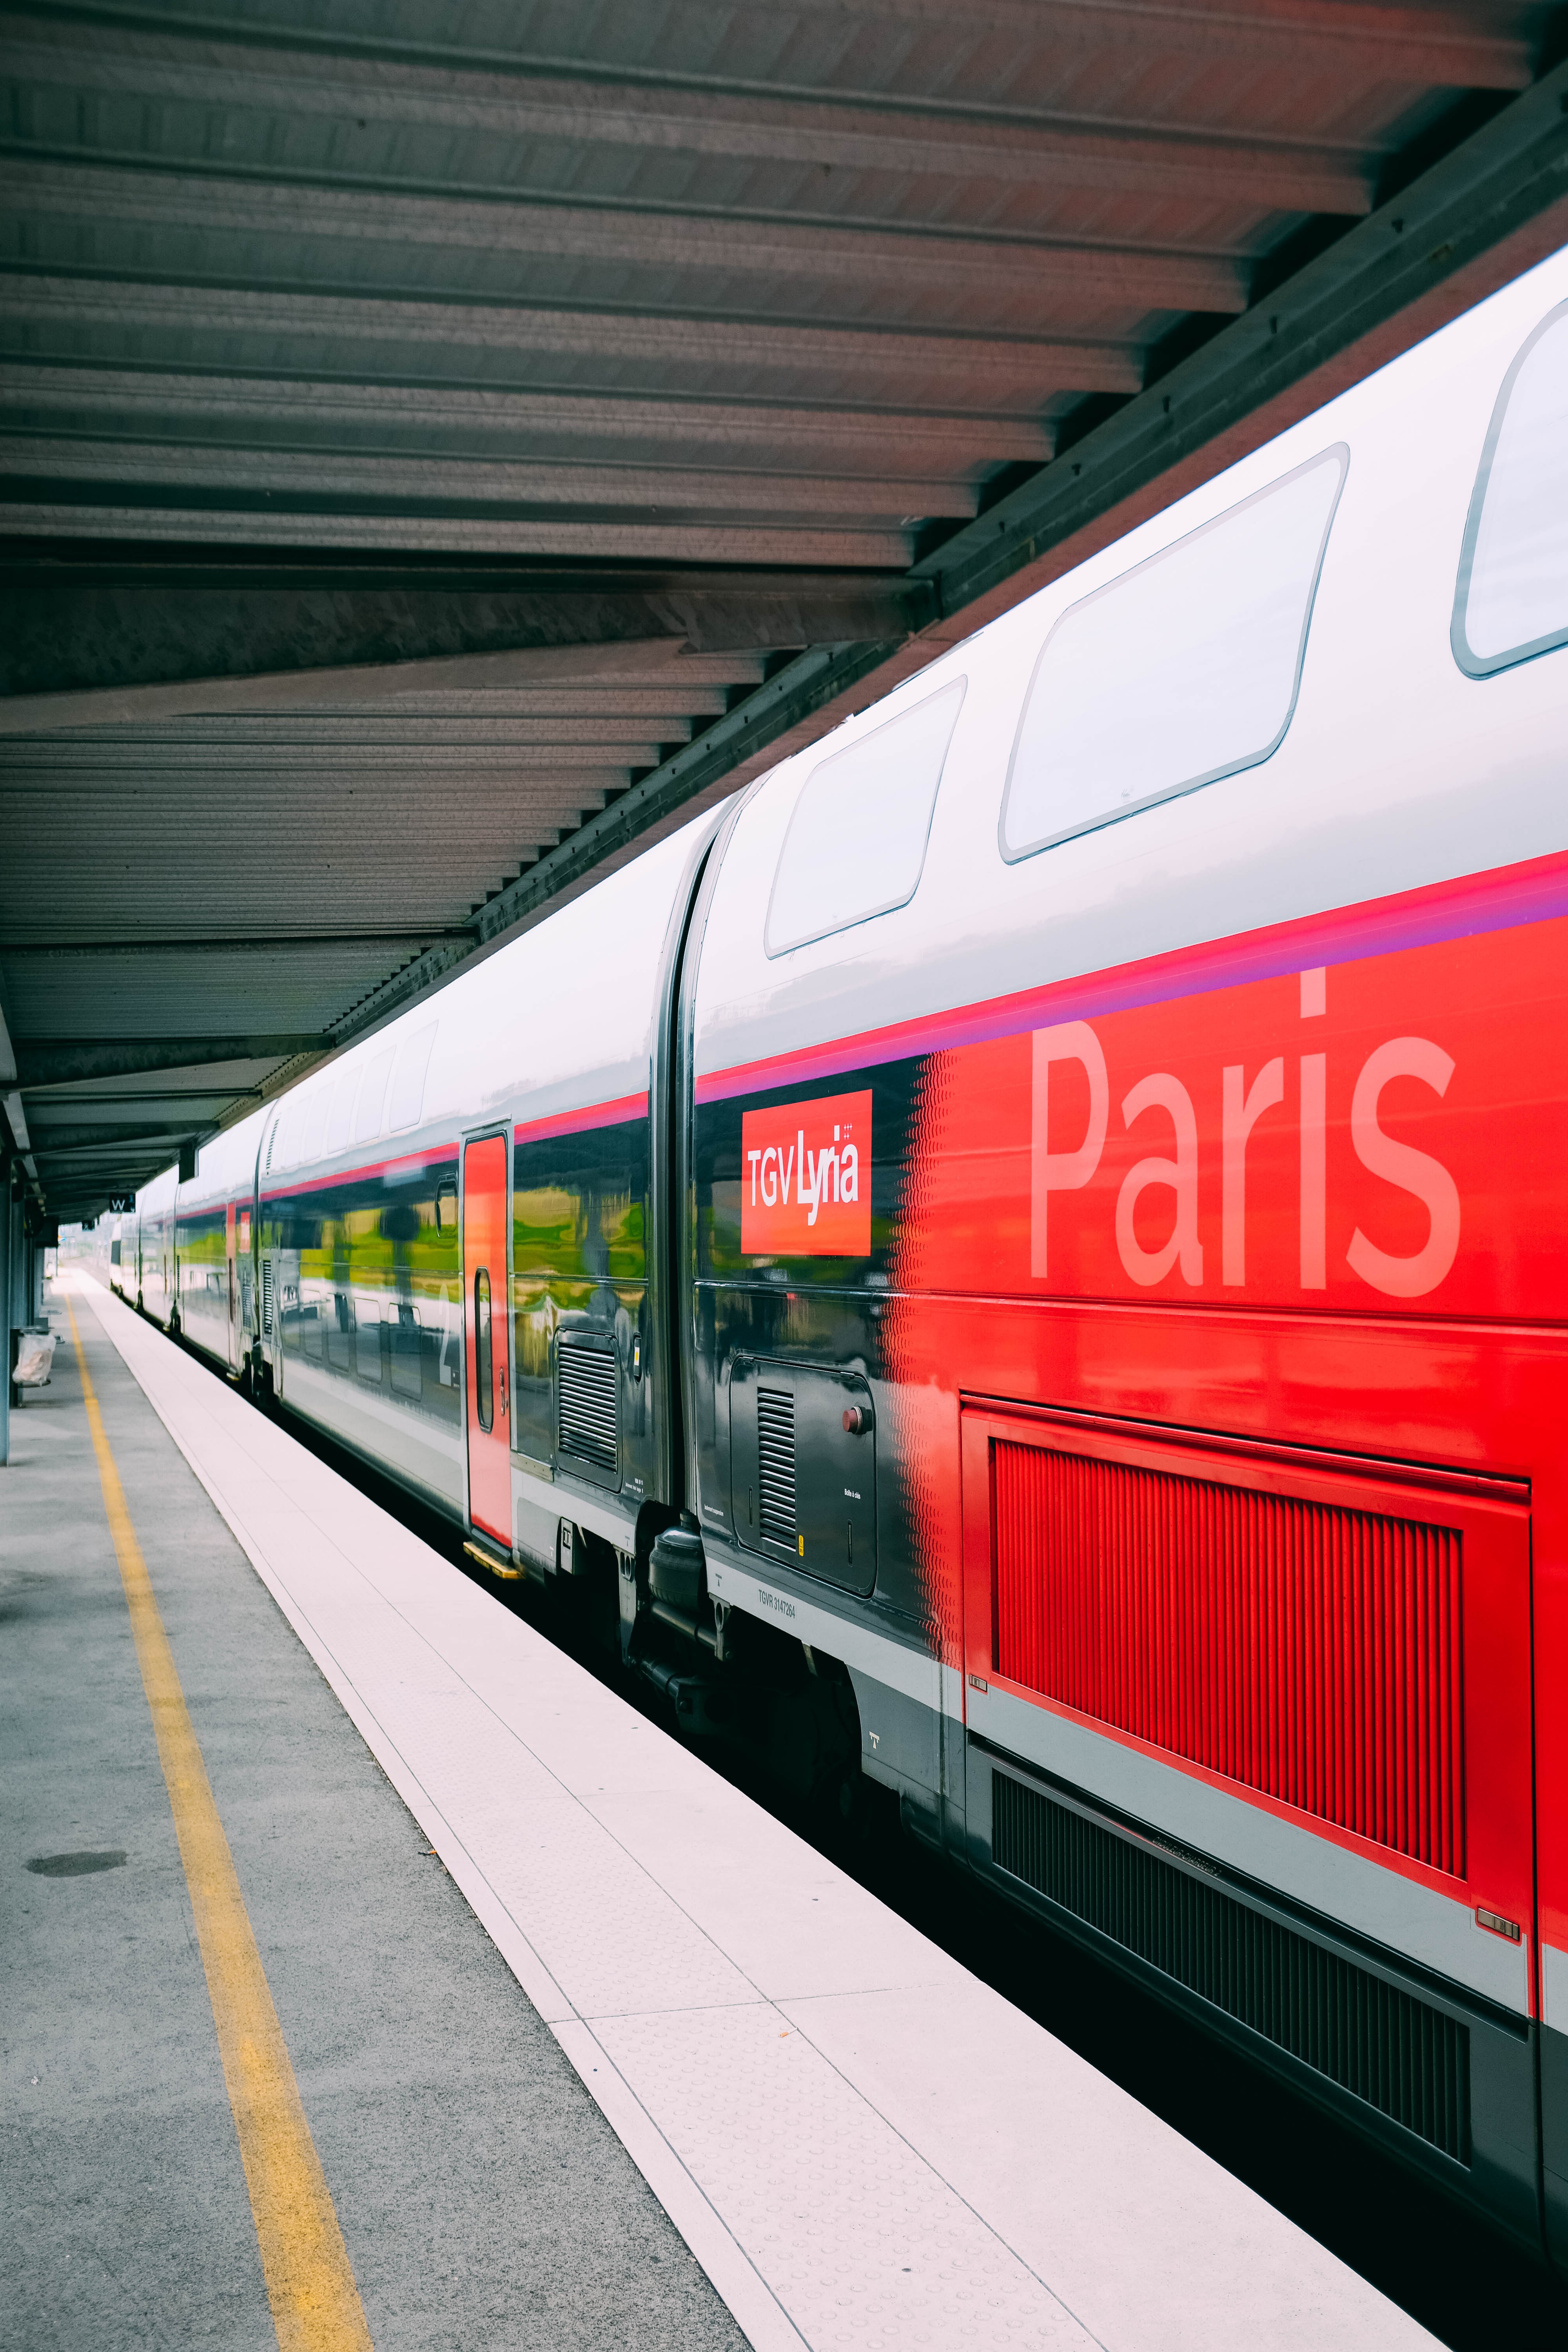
<point>588,2047</point>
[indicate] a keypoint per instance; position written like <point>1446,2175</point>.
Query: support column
<point>5,1289</point>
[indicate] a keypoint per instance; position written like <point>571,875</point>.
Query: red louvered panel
<point>1310,1652</point>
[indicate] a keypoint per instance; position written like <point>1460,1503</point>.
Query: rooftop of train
<point>783,1543</point>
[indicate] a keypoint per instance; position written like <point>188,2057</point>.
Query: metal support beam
<point>153,1135</point>
<point>258,86</point>
<point>61,1061</point>
<point>50,1102</point>
<point>279,942</point>
<point>80,650</point>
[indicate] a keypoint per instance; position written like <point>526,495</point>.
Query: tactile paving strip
<point>865,2246</point>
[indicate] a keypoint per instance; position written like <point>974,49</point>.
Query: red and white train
<point>1029,1255</point>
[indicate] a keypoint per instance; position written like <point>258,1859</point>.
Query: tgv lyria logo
<point>805,1178</point>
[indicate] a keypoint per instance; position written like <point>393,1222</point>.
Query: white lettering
<point>1063,1171</point>
<point>1162,1092</point>
<point>1412,1171</point>
<point>849,1174</point>
<point>812,1169</point>
<point>1314,1170</point>
<point>753,1157</point>
<point>786,1169</point>
<point>770,1176</point>
<point>1238,1119</point>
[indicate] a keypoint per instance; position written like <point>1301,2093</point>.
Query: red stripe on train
<point>433,1155</point>
<point>576,1122</point>
<point>567,1122</point>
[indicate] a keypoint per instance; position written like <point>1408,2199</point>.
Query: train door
<point>485,1336</point>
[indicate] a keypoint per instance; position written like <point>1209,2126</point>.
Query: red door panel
<point>485,1323</point>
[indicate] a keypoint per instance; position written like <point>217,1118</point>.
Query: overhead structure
<point>443,449</point>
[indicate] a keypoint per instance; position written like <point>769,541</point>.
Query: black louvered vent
<point>589,1391</point>
<point>775,1464</point>
<point>1403,2058</point>
<point>266,1297</point>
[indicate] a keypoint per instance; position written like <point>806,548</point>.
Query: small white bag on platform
<point>35,1355</point>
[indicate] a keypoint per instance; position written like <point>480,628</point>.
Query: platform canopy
<point>445,445</point>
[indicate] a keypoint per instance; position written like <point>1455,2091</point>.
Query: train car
<point>214,1258</point>
<point>149,1254</point>
<point>1023,1260</point>
<point>112,1250</point>
<point>462,1207</point>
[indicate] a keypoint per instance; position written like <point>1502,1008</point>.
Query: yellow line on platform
<point>310,2284</point>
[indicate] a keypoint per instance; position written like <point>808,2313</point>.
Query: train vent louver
<point>1375,2042</point>
<point>589,1386</point>
<point>776,1464</point>
<point>266,1297</point>
<point>1310,1651</point>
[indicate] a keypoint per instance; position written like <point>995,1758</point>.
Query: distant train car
<point>1025,1259</point>
<point>147,1256</point>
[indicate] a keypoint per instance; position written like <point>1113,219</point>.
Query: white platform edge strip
<point>755,2310</point>
<point>1202,2248</point>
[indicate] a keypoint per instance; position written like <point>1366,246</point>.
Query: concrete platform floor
<point>483,2198</point>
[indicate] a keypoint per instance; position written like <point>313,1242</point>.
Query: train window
<point>857,841</point>
<point>372,1095</point>
<point>405,1365</point>
<point>367,1338</point>
<point>1511,598</point>
<point>339,1329</point>
<point>309,1137</point>
<point>339,1118</point>
<point>1183,670</point>
<point>407,1099</point>
<point>484,1381</point>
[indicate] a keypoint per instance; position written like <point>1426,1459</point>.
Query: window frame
<point>484,1349</point>
<point>406,1051</point>
<point>383,1058</point>
<point>1473,665</point>
<point>1337,451</point>
<point>887,906</point>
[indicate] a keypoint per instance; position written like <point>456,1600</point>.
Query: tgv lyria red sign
<point>806,1178</point>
